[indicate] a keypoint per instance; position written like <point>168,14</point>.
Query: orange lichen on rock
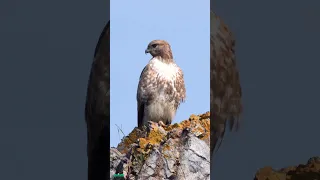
<point>162,151</point>
<point>143,143</point>
<point>124,145</point>
<point>154,134</point>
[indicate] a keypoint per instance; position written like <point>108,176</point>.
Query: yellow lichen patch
<point>185,124</point>
<point>155,136</point>
<point>123,147</point>
<point>205,121</point>
<point>173,126</point>
<point>144,146</point>
<point>194,117</point>
<point>132,137</point>
<point>205,115</point>
<point>166,147</point>
<point>200,125</point>
<point>206,126</point>
<point>143,143</point>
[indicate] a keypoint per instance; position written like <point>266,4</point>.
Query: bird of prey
<point>97,109</point>
<point>161,88</point>
<point>225,89</point>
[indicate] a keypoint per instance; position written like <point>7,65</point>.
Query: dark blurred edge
<point>98,109</point>
<point>98,158</point>
<point>211,98</point>
<point>225,85</point>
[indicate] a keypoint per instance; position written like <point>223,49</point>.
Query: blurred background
<point>277,51</point>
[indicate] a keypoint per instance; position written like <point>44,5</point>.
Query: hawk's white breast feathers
<point>164,70</point>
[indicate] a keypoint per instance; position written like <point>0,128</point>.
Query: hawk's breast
<point>164,71</point>
<point>165,75</point>
<point>160,90</point>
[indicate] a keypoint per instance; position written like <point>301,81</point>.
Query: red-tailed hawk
<point>161,87</point>
<point>225,89</point>
<point>97,109</point>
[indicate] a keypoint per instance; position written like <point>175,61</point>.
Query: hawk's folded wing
<point>225,89</point>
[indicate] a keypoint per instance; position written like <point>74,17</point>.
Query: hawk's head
<point>159,48</point>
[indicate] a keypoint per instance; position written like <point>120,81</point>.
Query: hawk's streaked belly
<point>162,107</point>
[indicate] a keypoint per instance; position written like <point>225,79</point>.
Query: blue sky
<point>186,26</point>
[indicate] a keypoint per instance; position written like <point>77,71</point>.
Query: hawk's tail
<point>218,129</point>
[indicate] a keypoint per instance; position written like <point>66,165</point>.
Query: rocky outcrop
<point>177,151</point>
<point>309,171</point>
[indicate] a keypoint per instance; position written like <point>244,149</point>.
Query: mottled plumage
<point>97,109</point>
<point>161,87</point>
<point>225,90</point>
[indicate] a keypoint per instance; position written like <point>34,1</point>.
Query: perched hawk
<point>161,87</point>
<point>97,109</point>
<point>225,90</point>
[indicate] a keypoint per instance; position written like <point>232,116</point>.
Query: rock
<point>309,171</point>
<point>177,151</point>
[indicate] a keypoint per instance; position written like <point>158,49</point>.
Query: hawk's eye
<point>154,45</point>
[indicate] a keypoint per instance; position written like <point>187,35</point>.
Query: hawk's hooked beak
<point>147,51</point>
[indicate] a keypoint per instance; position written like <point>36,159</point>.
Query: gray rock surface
<point>179,151</point>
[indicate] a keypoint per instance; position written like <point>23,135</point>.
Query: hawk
<point>161,88</point>
<point>225,89</point>
<point>97,109</point>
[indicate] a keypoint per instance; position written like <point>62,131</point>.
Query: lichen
<point>156,134</point>
<point>167,141</point>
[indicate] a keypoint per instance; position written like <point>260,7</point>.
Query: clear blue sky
<point>186,26</point>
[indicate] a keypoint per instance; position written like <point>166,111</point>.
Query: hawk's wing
<point>97,108</point>
<point>225,84</point>
<point>143,93</point>
<point>180,88</point>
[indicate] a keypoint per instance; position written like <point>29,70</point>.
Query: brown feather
<point>225,85</point>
